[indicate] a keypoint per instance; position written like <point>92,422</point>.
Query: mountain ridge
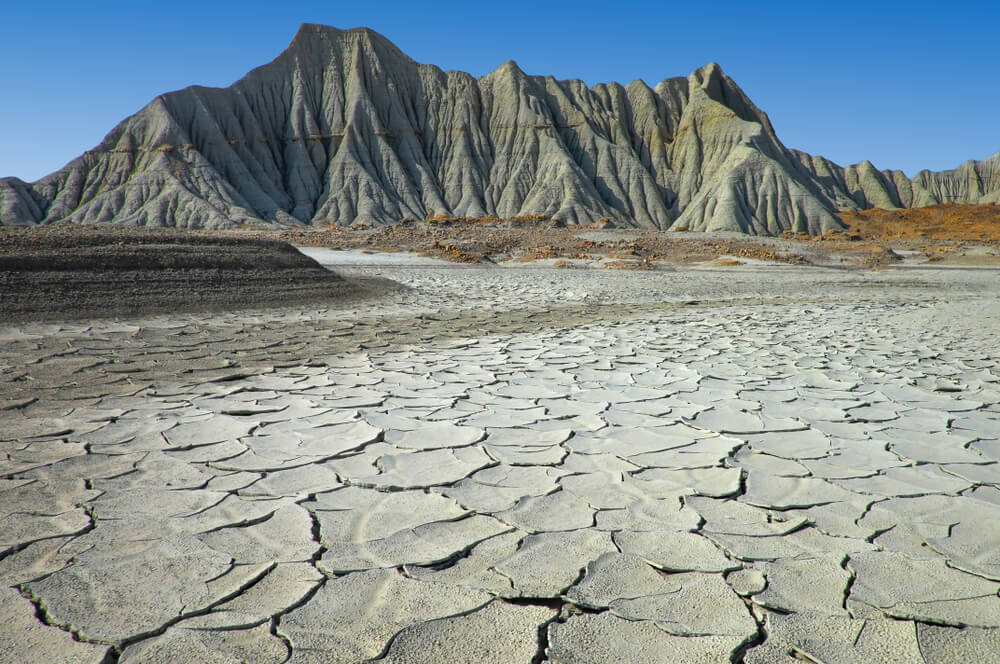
<point>343,128</point>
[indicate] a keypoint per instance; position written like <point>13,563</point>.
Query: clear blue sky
<point>908,85</point>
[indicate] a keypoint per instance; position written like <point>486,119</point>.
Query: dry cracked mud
<point>514,465</point>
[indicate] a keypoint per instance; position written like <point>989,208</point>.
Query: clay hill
<point>342,128</point>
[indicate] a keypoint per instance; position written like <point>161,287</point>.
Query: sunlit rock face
<point>343,128</point>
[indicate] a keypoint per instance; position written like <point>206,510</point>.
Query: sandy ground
<point>744,463</point>
<point>355,257</point>
<point>866,244</point>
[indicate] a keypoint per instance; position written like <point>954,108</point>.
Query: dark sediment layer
<point>66,272</point>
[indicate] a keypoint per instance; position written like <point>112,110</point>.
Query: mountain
<point>343,128</point>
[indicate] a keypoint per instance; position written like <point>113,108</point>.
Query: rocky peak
<point>343,128</point>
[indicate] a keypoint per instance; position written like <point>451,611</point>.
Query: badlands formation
<point>342,128</point>
<point>502,463</point>
<point>777,464</point>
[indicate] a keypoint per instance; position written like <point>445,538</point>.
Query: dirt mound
<point>64,271</point>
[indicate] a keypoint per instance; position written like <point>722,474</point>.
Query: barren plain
<point>944,235</point>
<point>751,463</point>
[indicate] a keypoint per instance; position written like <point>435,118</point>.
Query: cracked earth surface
<point>514,465</point>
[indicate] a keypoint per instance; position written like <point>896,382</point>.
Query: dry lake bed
<point>751,464</point>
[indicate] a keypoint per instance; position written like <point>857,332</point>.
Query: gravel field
<point>750,464</point>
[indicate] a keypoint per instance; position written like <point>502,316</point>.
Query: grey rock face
<point>343,128</point>
<point>861,186</point>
